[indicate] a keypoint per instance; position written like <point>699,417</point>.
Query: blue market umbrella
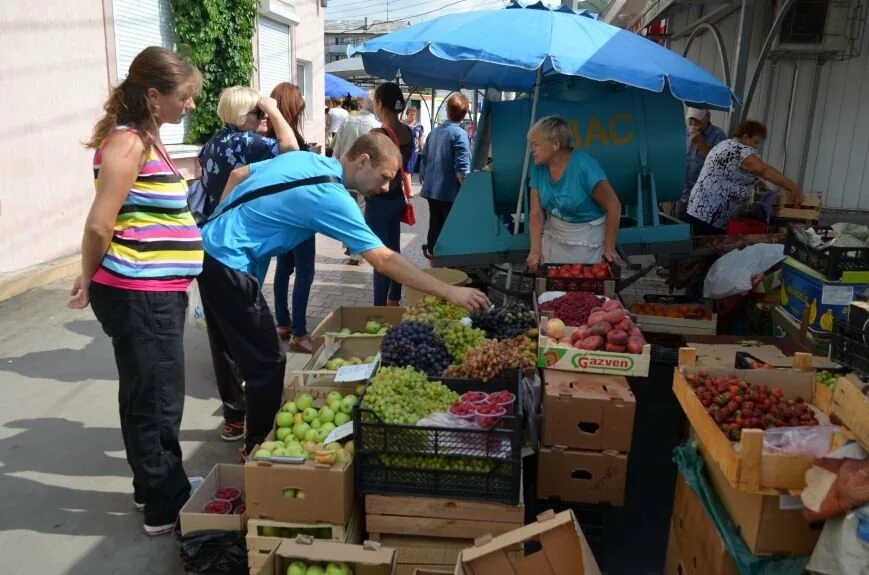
<point>338,88</point>
<point>512,48</point>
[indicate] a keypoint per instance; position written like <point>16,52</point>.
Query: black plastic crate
<point>848,346</point>
<point>591,285</point>
<point>831,262</point>
<point>481,464</point>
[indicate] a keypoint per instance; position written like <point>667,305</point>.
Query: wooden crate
<point>427,553</point>
<point>659,324</point>
<point>747,468</point>
<point>808,211</point>
<point>259,546</point>
<point>446,518</point>
<point>851,406</point>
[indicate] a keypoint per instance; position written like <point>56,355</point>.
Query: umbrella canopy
<point>338,88</point>
<point>506,48</point>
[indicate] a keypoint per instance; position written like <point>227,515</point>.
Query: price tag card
<point>837,295</point>
<point>339,433</point>
<point>361,372</point>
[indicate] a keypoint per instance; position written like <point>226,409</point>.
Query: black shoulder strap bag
<point>273,189</point>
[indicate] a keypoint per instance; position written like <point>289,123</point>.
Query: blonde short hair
<point>552,128</point>
<point>235,103</point>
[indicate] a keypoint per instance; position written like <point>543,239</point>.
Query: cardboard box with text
<point>581,476</point>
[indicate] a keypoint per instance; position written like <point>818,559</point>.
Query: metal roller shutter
<point>274,54</point>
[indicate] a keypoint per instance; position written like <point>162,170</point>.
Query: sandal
<point>301,344</point>
<point>284,332</point>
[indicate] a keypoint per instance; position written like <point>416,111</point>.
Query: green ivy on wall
<point>216,37</point>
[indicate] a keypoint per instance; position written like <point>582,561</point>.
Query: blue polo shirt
<point>275,224</point>
<point>570,198</point>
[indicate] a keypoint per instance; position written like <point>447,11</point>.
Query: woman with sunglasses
<point>243,140</point>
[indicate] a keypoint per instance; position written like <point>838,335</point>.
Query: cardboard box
<point>193,519</point>
<point>766,528</point>
<point>581,476</point>
<point>328,491</point>
<point>355,319</point>
<point>804,288</point>
<point>319,382</point>
<point>695,546</point>
<point>563,550</point>
<point>851,406</point>
<point>426,571</point>
<point>586,411</point>
<point>366,559</point>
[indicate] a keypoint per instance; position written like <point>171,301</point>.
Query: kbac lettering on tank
<point>618,131</point>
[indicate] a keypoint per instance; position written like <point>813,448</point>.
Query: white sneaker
<point>195,483</point>
<point>154,530</point>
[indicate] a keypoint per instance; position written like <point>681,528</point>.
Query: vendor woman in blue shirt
<point>574,210</point>
<point>237,238</point>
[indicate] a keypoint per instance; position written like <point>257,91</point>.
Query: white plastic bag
<point>195,311</point>
<point>731,274</point>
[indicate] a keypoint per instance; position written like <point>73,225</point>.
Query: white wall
<point>54,78</point>
<point>836,166</point>
<point>308,46</point>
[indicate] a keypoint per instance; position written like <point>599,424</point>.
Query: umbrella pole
<point>525,165</point>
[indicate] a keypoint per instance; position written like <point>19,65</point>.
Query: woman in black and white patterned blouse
<point>727,180</point>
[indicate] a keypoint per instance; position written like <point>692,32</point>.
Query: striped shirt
<point>156,244</point>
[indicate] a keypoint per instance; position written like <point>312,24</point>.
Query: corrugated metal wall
<point>836,165</point>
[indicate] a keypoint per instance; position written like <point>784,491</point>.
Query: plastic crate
<point>591,285</point>
<point>848,346</point>
<point>832,262</point>
<point>499,450</point>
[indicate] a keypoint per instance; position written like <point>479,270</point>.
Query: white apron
<point>567,243</point>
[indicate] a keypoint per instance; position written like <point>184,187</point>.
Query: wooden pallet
<point>851,406</point>
<point>444,518</point>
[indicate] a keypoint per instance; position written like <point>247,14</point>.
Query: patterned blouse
<point>723,186</point>
<point>228,149</point>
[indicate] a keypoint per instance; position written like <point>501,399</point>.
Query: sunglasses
<point>258,113</point>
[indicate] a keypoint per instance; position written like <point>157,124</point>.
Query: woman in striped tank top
<point>140,251</point>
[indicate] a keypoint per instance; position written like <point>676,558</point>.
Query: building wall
<point>308,44</point>
<point>837,148</point>
<point>54,78</point>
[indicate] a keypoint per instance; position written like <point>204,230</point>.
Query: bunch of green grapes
<point>430,309</point>
<point>490,357</point>
<point>403,395</point>
<point>458,337</point>
<point>439,463</point>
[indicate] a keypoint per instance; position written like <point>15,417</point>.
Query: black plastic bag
<point>214,552</point>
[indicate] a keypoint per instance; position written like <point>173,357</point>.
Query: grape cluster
<point>491,357</point>
<point>415,344</point>
<point>431,308</point>
<point>458,337</point>
<point>505,322</point>
<point>402,395</point>
<point>428,462</point>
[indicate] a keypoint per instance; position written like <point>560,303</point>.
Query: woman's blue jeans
<point>301,261</point>
<point>383,216</point>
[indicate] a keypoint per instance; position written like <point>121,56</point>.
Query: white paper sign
<point>340,432</point>
<point>837,295</point>
<point>361,372</point>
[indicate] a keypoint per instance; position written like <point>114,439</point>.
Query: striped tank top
<point>156,245</point>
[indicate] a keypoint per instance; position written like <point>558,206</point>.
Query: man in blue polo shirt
<point>237,238</point>
<point>702,137</point>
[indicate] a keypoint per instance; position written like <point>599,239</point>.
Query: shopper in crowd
<point>247,230</point>
<point>140,250</point>
<point>702,137</point>
<point>354,107</point>
<point>242,140</point>
<point>574,210</point>
<point>383,211</point>
<point>301,258</point>
<point>356,126</point>
<point>418,132</point>
<point>446,159</point>
<point>728,179</point>
<point>336,117</point>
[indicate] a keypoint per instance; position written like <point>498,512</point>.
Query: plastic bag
<point>836,483</point>
<point>195,311</point>
<point>731,274</point>
<point>813,440</point>
<point>214,552</point>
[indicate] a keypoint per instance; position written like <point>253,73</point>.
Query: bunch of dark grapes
<point>505,322</point>
<point>415,344</point>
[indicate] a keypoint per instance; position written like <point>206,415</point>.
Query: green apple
<point>290,407</point>
<point>268,445</point>
<point>262,454</point>
<point>315,570</point>
<point>326,414</point>
<point>280,452</point>
<point>370,359</point>
<point>321,436</point>
<point>335,406</point>
<point>372,327</point>
<point>334,364</point>
<point>328,427</point>
<point>297,568</point>
<point>295,450</point>
<point>311,434</point>
<point>332,446</point>
<point>283,432</point>
<point>355,361</point>
<point>350,446</point>
<point>316,424</point>
<point>284,419</point>
<point>298,418</point>
<point>346,331</point>
<point>304,401</point>
<point>341,418</point>
<point>269,531</point>
<point>342,456</point>
<point>347,404</point>
<point>383,331</point>
<point>300,429</point>
<point>336,569</point>
<point>333,396</point>
<point>289,492</point>
<point>310,414</point>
